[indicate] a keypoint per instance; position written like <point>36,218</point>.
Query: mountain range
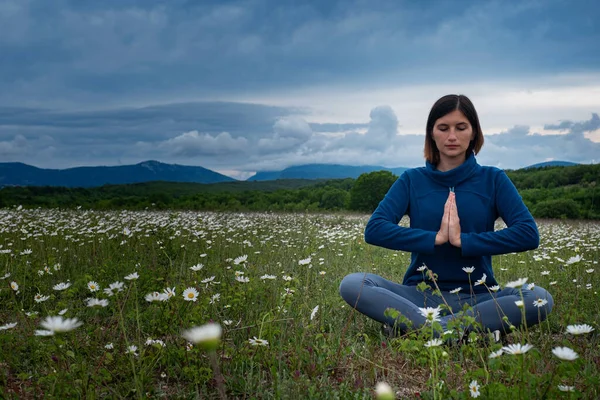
<point>19,174</point>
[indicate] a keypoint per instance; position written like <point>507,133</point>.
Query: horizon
<point>260,85</point>
<point>280,170</point>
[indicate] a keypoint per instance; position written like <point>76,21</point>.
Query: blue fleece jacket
<point>482,195</point>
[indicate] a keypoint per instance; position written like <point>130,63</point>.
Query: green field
<point>266,276</point>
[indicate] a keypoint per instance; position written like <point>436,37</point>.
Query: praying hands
<point>450,227</point>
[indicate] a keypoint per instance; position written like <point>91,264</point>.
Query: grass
<point>325,352</point>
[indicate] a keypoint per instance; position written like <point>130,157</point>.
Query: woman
<point>452,203</point>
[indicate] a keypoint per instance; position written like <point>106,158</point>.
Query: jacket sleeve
<point>383,229</point>
<point>521,233</point>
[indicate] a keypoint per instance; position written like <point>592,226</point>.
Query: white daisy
<point>431,314</point>
<point>516,284</point>
<point>61,286</point>
<point>133,276</point>
<point>540,302</point>
<point>468,270</point>
<point>8,326</point>
<point>93,286</point>
<point>579,329</point>
<point>40,298</point>
<point>197,267</point>
<point>91,302</point>
<point>258,342</point>
<point>190,294</point>
<point>433,343</point>
<point>518,348</point>
<point>59,324</point>
<point>474,389</point>
<point>565,353</point>
<point>207,334</point>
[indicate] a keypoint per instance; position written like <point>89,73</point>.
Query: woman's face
<point>452,134</point>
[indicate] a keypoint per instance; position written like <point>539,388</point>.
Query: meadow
<point>123,287</point>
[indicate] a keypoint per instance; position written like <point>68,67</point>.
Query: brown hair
<point>446,105</point>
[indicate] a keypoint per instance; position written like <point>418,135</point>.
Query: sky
<point>259,85</point>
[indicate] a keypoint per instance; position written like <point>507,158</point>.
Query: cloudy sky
<point>245,86</point>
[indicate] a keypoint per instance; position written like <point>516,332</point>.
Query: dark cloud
<point>576,128</point>
<point>109,52</point>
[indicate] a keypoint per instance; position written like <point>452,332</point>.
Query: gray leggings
<point>371,295</point>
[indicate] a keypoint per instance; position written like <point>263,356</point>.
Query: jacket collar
<point>454,176</point>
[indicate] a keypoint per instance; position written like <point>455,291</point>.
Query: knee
<point>350,286</point>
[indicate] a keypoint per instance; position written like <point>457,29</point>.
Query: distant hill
<point>322,171</point>
<point>19,174</point>
<point>552,164</point>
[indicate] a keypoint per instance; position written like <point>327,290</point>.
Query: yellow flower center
<point>191,295</point>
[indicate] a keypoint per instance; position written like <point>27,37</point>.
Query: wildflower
<point>474,389</point>
<point>531,286</point>
<point>579,329</point>
<point>544,273</point>
<point>207,335</point>
<point>118,286</point>
<point>150,342</point>
<point>132,350</point>
<point>59,324</point>
<point>431,314</point>
<point>519,303</point>
<point>314,312</point>
<point>170,292</point>
<point>39,298</point>
<point>63,311</point>
<point>240,259</point>
<point>517,284</point>
<point>589,271</point>
<point>306,261</point>
<point>93,286</point>
<point>197,267</point>
<point>14,286</point>
<point>322,273</point>
<point>190,294</point>
<point>258,342</point>
<point>132,277</point>
<point>496,354</point>
<point>61,286</point>
<point>468,270</point>
<point>422,268</point>
<point>481,281</point>
<point>455,291</point>
<point>5,276</point>
<point>434,343</point>
<point>109,346</point>
<point>518,348</point>
<point>383,391</point>
<point>540,302</point>
<point>8,326</point>
<point>227,322</point>
<point>565,353</point>
<point>242,279</point>
<point>268,277</point>
<point>91,302</point>
<point>208,280</point>
<point>573,260</point>
<point>286,278</point>
<point>43,332</point>
<point>216,297</point>
<point>494,288</point>
<point>155,296</point>
<point>565,388</point>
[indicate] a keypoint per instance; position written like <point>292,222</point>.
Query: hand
<point>442,235</point>
<point>453,222</point>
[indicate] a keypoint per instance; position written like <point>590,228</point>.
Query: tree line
<point>550,192</point>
